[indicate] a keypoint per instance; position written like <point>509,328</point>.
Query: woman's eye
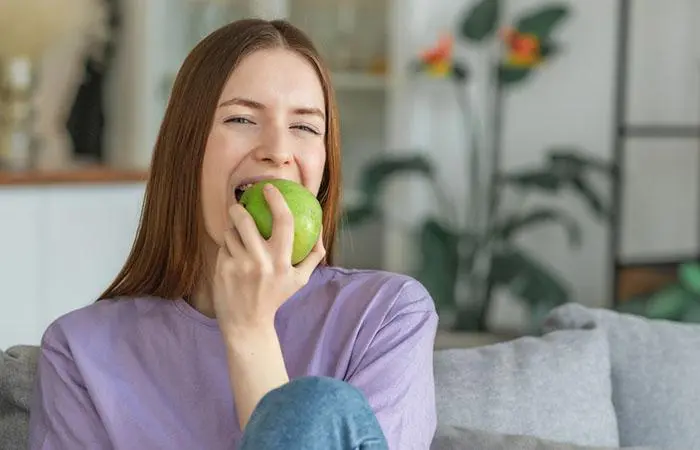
<point>307,129</point>
<point>241,120</point>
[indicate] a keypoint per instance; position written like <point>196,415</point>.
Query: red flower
<point>437,60</point>
<point>522,49</point>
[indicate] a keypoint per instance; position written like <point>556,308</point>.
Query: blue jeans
<point>313,413</point>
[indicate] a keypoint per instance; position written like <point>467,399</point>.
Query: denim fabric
<point>314,413</point>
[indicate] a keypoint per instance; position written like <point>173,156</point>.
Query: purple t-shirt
<point>152,373</point>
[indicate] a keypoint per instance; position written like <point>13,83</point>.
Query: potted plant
<point>485,255</point>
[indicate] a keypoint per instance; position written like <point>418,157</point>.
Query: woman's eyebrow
<point>249,103</point>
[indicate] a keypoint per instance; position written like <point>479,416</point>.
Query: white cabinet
<point>89,236</point>
<point>60,246</point>
<point>21,246</point>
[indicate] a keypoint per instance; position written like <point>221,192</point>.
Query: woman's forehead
<point>276,77</point>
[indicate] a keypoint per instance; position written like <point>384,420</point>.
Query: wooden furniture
<point>84,175</point>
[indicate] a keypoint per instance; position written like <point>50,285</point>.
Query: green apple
<point>304,206</point>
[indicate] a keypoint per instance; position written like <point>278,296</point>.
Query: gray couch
<point>594,380</point>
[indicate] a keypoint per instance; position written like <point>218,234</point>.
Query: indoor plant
<point>484,254</point>
<point>449,252</point>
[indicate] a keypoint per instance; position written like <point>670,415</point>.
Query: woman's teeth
<point>241,189</point>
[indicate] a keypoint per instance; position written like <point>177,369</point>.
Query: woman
<point>209,338</point>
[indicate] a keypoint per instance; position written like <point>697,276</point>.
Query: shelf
<point>660,131</point>
<point>78,175</point>
<point>358,81</point>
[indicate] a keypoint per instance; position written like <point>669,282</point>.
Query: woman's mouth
<point>240,189</point>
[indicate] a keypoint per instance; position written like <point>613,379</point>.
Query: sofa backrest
<point>555,387</point>
<point>17,367</point>
<point>595,378</point>
<point>655,374</point>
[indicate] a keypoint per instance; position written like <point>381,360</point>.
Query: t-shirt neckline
<point>191,313</point>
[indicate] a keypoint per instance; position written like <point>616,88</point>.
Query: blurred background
<point>511,155</point>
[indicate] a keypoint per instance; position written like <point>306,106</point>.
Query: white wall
<point>570,102</point>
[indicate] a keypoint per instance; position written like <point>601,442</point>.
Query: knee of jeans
<point>324,392</point>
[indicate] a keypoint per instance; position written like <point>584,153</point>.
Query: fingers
<point>282,239</point>
<point>307,266</point>
<point>244,237</point>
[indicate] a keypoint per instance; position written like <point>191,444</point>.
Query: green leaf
<point>380,171</point>
<point>591,197</point>
<point>689,277</point>
<point>578,161</point>
<point>439,263</point>
<point>541,23</point>
<point>517,223</point>
<point>669,303</point>
<point>373,179</point>
<point>548,49</point>
<point>481,20</point>
<point>358,214</point>
<point>526,278</point>
<point>533,179</point>
<point>509,75</point>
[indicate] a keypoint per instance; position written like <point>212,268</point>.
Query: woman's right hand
<point>255,276</point>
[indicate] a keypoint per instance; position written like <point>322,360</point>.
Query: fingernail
<point>268,187</point>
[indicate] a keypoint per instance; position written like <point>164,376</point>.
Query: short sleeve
<point>62,415</point>
<point>395,372</point>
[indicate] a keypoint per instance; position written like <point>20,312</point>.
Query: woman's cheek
<point>312,165</point>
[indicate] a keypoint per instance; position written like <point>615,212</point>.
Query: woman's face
<point>270,123</point>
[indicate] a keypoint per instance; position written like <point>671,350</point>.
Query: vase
<point>18,139</point>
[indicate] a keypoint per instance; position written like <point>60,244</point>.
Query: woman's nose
<point>274,150</point>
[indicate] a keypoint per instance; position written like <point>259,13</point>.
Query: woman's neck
<point>201,301</point>
<point>201,298</point>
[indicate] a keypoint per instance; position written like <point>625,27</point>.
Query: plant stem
<point>445,204</point>
<point>468,316</point>
<point>494,186</point>
<point>473,160</point>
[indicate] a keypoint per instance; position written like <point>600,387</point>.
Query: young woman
<point>209,338</point>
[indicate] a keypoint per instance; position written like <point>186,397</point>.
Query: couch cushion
<point>655,374</point>
<point>17,367</point>
<point>458,438</point>
<point>555,387</point>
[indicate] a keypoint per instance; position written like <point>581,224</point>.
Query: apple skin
<point>304,206</point>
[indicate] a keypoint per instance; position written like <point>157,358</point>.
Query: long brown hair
<point>167,258</point>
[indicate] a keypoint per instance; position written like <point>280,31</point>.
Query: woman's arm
<point>256,367</point>
<point>253,277</point>
<point>62,414</point>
